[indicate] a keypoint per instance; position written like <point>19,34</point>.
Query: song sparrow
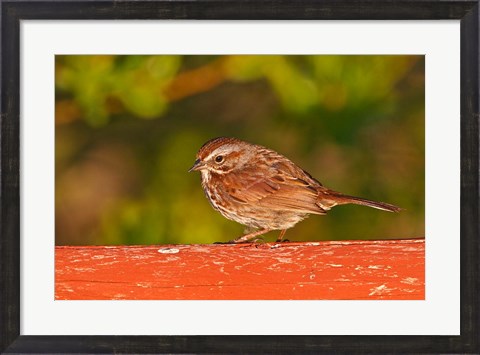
<point>265,191</point>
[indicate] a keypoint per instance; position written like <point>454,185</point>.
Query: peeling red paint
<point>389,269</point>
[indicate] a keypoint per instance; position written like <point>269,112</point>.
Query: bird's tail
<point>345,199</point>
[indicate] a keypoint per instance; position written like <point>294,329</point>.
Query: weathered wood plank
<point>390,269</point>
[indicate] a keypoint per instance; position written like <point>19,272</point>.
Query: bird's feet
<point>242,241</point>
<point>229,242</point>
<point>280,237</point>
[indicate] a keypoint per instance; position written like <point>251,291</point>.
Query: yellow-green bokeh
<point>128,129</point>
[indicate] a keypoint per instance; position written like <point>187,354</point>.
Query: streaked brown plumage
<point>263,190</point>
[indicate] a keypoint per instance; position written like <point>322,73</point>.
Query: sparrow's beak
<point>198,165</point>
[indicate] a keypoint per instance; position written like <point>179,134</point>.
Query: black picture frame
<point>13,12</point>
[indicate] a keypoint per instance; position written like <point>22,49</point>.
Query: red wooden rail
<point>390,269</point>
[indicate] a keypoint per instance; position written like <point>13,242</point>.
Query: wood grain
<point>390,269</point>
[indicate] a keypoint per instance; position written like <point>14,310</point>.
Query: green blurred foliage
<point>128,129</point>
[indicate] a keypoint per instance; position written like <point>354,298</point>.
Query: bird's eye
<point>219,158</point>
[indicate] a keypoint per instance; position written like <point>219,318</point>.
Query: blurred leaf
<point>141,101</point>
<point>297,92</point>
<point>136,82</point>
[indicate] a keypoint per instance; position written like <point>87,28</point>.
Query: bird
<point>262,189</point>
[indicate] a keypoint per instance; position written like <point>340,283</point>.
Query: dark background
<point>128,129</point>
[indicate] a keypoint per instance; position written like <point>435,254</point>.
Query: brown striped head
<point>222,155</point>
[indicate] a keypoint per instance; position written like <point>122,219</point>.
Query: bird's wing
<point>276,187</point>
